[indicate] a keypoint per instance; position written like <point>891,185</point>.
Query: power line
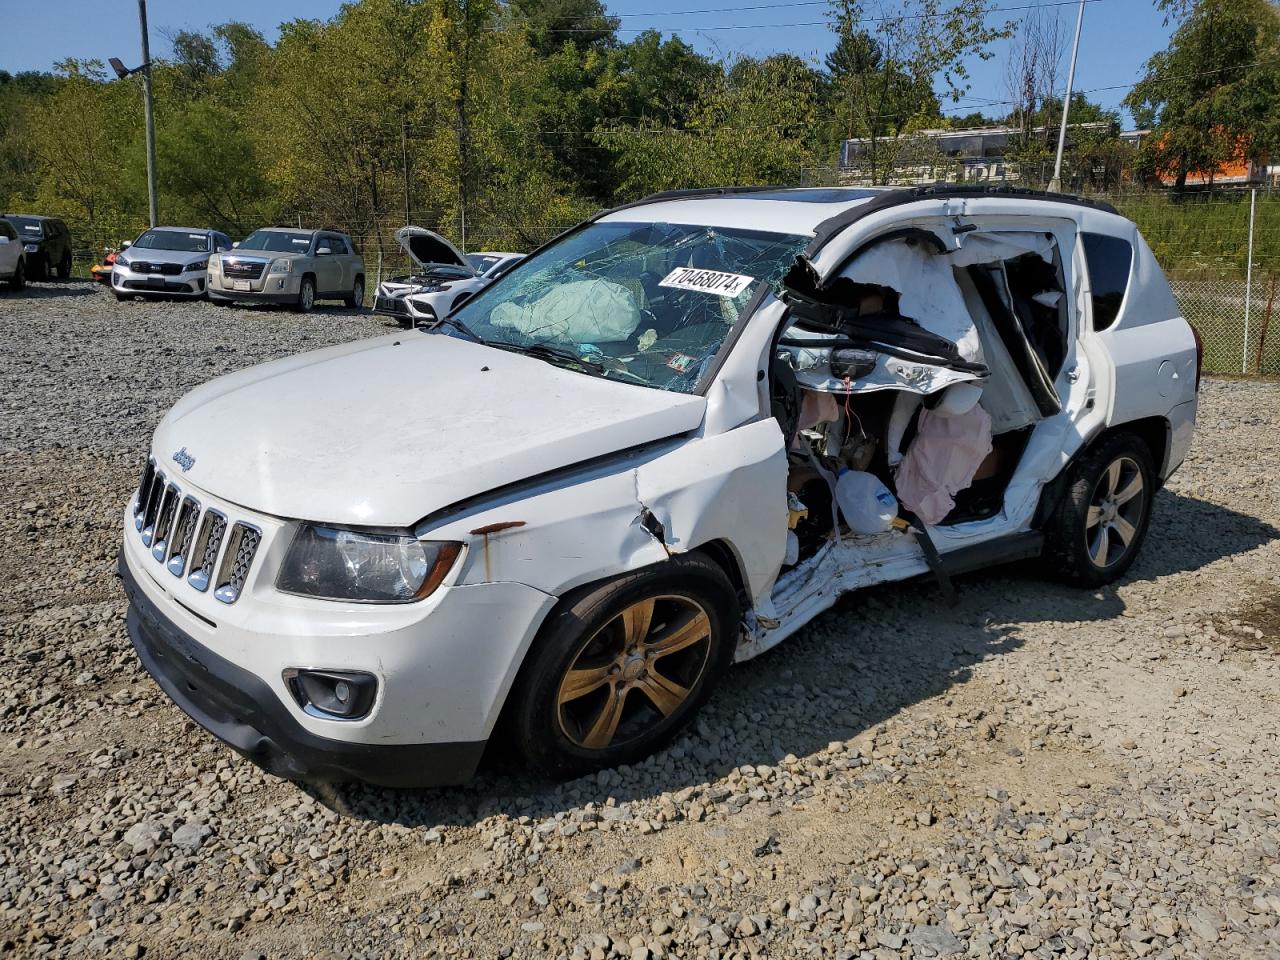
<point>893,18</point>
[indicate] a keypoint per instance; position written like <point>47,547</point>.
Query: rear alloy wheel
<point>618,671</point>
<point>356,298</point>
<point>306,295</point>
<point>1103,516</point>
<point>64,266</point>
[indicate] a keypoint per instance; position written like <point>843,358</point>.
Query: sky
<point>1117,38</point>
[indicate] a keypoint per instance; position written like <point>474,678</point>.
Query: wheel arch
<point>1154,432</point>
<point>723,554</point>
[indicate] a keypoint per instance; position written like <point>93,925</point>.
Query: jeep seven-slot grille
<point>189,540</point>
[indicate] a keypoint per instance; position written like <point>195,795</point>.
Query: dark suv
<point>47,243</point>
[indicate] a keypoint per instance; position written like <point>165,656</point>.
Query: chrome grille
<point>191,540</point>
<point>243,269</point>
<point>236,560</point>
<point>164,521</point>
<point>206,549</point>
<point>144,488</point>
<point>184,532</point>
<point>152,509</point>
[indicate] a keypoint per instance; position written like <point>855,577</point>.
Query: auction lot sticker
<point>707,281</point>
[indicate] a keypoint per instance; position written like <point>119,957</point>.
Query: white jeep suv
<point>662,443</point>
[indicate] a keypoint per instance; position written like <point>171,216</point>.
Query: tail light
<point>1199,354</point>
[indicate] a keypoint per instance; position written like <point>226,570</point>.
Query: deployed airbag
<point>942,460</point>
<point>585,311</point>
<point>926,288</point>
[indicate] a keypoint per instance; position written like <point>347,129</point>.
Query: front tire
<point>620,669</point>
<point>64,266</point>
<point>306,295</point>
<point>1094,535</point>
<point>19,279</point>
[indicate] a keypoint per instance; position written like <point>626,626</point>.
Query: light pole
<point>145,70</point>
<point>1056,183</point>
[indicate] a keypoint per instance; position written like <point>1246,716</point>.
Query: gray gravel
<point>1038,772</point>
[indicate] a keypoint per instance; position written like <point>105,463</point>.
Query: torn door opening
<point>901,388</point>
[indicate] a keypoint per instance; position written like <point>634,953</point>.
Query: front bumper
<point>443,665</point>
<point>189,283</point>
<point>240,709</point>
<point>266,288</point>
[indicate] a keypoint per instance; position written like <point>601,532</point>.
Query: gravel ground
<point>1038,772</point>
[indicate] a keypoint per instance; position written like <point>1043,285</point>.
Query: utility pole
<point>122,71</point>
<point>1055,184</point>
<point>151,120</point>
<point>404,163</point>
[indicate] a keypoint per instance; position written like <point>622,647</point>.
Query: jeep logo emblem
<point>185,460</point>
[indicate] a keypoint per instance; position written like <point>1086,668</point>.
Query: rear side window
<point>1110,261</point>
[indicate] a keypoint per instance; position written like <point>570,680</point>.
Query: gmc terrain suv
<point>287,266</point>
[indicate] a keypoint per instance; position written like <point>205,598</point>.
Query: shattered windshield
<point>650,303</point>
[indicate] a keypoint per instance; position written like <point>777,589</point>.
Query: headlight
<point>198,265</point>
<point>364,567</point>
<point>281,265</point>
<point>121,261</point>
<point>32,248</point>
<point>215,264</point>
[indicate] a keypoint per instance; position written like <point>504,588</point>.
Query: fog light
<point>332,694</point>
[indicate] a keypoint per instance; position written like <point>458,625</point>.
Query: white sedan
<point>444,277</point>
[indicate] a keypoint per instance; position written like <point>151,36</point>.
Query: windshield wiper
<point>462,328</point>
<point>547,352</point>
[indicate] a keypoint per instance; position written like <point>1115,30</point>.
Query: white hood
<point>426,248</point>
<point>383,432</point>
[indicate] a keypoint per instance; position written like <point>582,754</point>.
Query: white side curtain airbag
<point>926,289</point>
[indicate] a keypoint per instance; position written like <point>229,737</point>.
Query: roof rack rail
<point>938,191</point>
<point>691,193</point>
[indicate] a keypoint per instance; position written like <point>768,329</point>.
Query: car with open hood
<point>166,261</point>
<point>442,279</point>
<point>291,267</point>
<point>662,444</point>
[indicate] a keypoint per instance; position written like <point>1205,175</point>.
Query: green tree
<point>1211,95</point>
<point>550,24</point>
<point>890,59</point>
<point>753,124</point>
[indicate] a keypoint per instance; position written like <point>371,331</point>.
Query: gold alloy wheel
<point>634,672</point>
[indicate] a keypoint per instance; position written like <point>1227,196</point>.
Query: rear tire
<point>620,669</point>
<point>1095,533</point>
<point>355,299</point>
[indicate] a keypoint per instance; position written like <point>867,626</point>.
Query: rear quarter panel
<point>1150,346</point>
